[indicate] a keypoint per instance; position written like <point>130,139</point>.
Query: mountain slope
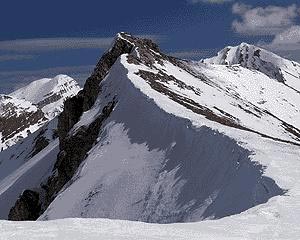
<point>26,165</point>
<point>157,139</point>
<point>29,108</point>
<point>140,169</point>
<point>130,152</point>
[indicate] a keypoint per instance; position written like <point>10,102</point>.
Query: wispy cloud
<point>210,1</point>
<point>269,20</point>
<point>47,72</point>
<point>51,44</point>
<point>14,57</point>
<point>194,54</point>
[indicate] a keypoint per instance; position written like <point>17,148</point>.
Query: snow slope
<point>247,226</point>
<point>26,165</point>
<point>29,141</point>
<point>141,169</point>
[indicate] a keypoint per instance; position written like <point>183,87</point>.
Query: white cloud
<point>269,20</point>
<point>288,37</point>
<point>286,42</point>
<point>210,1</point>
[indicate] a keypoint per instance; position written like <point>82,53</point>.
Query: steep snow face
<point>49,94</point>
<point>155,160</point>
<point>29,108</point>
<point>26,165</point>
<point>255,58</point>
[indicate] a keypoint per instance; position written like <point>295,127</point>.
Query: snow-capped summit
<point>49,94</point>
<point>232,55</point>
<point>257,58</point>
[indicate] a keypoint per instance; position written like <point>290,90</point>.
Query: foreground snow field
<point>246,226</point>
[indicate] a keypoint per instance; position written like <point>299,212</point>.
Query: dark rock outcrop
<point>73,109</point>
<point>85,99</point>
<point>27,207</point>
<point>73,151</point>
<point>40,143</point>
<point>92,85</point>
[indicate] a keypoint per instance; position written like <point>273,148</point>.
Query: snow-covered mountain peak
<point>259,59</point>
<point>29,108</point>
<point>240,54</point>
<point>49,94</point>
<point>158,139</point>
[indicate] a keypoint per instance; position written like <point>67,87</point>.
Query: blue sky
<point>44,38</point>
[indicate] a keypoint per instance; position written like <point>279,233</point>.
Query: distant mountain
<point>157,139</point>
<point>256,58</point>
<point>27,109</point>
<point>49,94</point>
